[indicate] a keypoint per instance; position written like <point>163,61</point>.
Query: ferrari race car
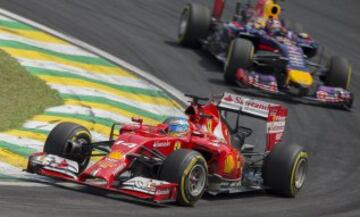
<point>261,50</point>
<point>181,158</point>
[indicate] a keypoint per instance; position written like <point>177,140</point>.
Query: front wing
<point>138,187</point>
<point>323,94</point>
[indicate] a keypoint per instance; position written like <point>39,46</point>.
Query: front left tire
<point>189,170</point>
<point>339,73</point>
<point>240,55</point>
<point>70,141</point>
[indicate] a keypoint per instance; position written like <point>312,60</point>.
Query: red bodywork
<point>208,135</point>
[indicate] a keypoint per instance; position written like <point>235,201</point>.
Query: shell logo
<point>115,155</point>
<point>229,164</point>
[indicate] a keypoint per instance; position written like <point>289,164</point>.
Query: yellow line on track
<point>34,35</point>
<point>12,158</point>
<point>34,55</point>
<point>30,135</point>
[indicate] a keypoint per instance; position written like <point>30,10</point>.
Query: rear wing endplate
<point>274,114</point>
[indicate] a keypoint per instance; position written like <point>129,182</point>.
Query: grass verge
<point>22,95</point>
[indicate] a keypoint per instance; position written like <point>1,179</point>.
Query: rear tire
<point>240,55</point>
<point>189,170</point>
<point>194,25</point>
<point>339,73</point>
<point>285,169</point>
<point>57,143</point>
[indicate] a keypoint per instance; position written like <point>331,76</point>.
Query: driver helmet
<point>177,126</point>
<point>274,27</point>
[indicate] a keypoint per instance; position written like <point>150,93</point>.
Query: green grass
<point>22,95</point>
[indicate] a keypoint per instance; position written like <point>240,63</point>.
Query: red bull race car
<point>183,157</point>
<point>261,50</point>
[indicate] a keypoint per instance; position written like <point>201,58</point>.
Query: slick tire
<point>285,169</point>
<point>240,55</point>
<point>57,143</point>
<point>339,73</point>
<point>189,170</point>
<point>194,25</point>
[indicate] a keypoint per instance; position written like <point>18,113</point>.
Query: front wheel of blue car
<point>339,73</point>
<point>240,55</point>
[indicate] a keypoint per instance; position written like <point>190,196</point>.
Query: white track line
<point>60,48</point>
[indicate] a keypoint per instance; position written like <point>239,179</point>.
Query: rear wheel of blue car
<point>194,25</point>
<point>285,169</point>
<point>70,141</point>
<point>240,55</point>
<point>188,169</point>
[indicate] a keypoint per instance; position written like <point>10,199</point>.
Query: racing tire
<point>339,73</point>
<point>57,143</point>
<point>285,170</point>
<point>240,55</point>
<point>189,170</point>
<point>194,25</point>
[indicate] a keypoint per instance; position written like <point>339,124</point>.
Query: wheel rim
<point>300,174</point>
<point>196,181</point>
<point>80,159</point>
<point>183,23</point>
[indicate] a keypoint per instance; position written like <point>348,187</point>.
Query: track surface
<point>142,33</point>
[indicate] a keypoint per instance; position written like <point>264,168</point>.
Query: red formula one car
<point>181,158</point>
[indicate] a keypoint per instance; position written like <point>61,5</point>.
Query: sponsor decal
<point>116,155</point>
<point>229,164</point>
<point>161,144</point>
<point>53,161</point>
<point>123,143</point>
<point>245,104</point>
<point>163,192</point>
<point>276,127</point>
<point>177,145</point>
<point>106,164</point>
<point>143,185</point>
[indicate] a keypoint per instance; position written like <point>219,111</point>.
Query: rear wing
<point>274,114</point>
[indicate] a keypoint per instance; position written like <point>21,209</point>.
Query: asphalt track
<point>143,33</point>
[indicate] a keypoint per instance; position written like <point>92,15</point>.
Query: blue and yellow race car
<point>261,49</point>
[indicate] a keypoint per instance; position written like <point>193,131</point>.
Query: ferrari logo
<point>177,145</point>
<point>209,125</point>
